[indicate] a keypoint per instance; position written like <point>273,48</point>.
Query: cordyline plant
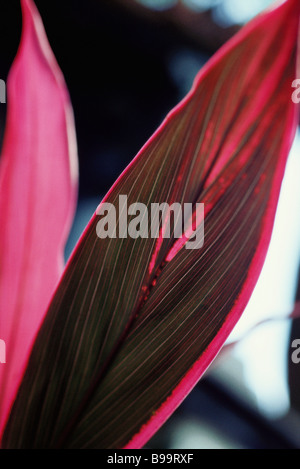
<point>99,356</point>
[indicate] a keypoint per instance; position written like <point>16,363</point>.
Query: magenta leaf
<point>38,191</point>
<point>135,322</point>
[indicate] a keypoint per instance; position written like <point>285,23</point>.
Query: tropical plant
<point>100,354</point>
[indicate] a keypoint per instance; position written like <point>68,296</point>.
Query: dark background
<point>117,63</point>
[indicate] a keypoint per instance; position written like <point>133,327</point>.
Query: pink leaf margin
<point>38,196</point>
<point>287,8</point>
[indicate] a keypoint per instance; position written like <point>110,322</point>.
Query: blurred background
<point>126,64</point>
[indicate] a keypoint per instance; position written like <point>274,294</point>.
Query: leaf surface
<point>38,190</point>
<point>134,323</point>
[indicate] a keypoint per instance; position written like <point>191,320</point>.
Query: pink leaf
<point>135,322</point>
<point>38,190</point>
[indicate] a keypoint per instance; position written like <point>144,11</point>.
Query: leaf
<point>38,187</point>
<point>134,323</point>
